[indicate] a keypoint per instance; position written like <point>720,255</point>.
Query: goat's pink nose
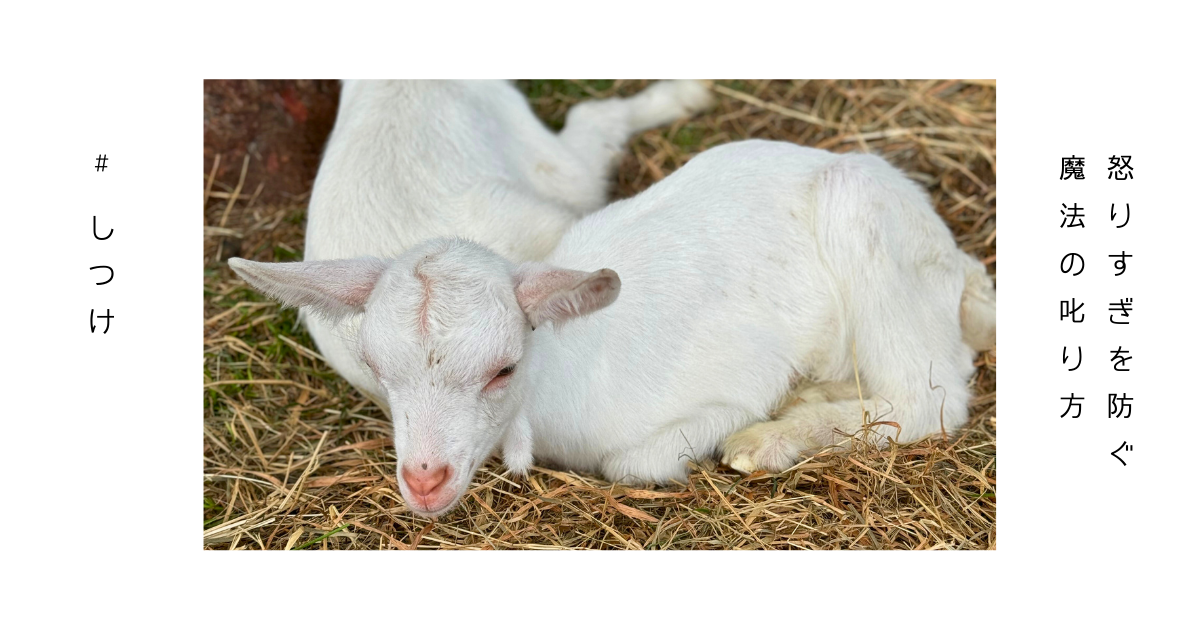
<point>426,479</point>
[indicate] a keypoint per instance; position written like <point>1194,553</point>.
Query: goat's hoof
<point>762,446</point>
<point>694,96</point>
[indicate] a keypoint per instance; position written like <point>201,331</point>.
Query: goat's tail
<point>978,309</point>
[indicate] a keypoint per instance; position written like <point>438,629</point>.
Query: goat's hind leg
<point>902,283</point>
<point>818,416</point>
<point>801,431</point>
<point>577,169</point>
<point>596,131</point>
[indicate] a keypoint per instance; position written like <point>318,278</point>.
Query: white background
<point>95,424</point>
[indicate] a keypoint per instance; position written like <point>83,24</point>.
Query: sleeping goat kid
<point>412,160</point>
<point>756,268</point>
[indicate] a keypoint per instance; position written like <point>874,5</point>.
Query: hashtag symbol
<point>100,160</point>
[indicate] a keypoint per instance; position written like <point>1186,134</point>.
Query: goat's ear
<point>333,288</point>
<point>551,294</point>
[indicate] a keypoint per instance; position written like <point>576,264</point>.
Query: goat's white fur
<point>755,267</point>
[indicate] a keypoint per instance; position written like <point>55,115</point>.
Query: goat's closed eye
<point>501,378</point>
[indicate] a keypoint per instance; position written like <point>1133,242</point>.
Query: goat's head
<point>444,328</point>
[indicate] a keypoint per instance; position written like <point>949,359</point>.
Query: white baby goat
<point>412,160</point>
<point>756,267</point>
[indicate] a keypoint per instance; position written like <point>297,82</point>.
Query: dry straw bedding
<point>296,458</point>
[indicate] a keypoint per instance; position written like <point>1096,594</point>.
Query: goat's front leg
<point>663,456</point>
<point>518,446</point>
